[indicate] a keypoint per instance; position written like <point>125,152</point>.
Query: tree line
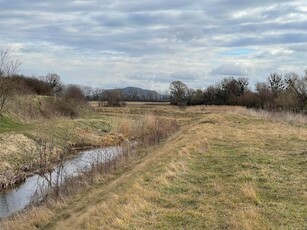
<point>279,92</point>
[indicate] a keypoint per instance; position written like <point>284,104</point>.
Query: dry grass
<point>249,192</point>
<point>146,130</point>
<point>224,169</point>
<point>280,116</point>
<point>18,140</point>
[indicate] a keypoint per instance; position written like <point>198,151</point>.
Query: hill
<point>138,94</point>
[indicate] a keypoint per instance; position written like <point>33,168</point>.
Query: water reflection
<point>17,199</point>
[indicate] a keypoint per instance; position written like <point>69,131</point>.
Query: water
<point>17,199</point>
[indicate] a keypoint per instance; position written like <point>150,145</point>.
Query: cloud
<point>298,48</point>
<point>233,69</point>
<point>150,43</point>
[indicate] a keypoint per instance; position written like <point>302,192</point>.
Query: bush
<point>31,85</point>
<point>249,99</point>
<point>72,100</point>
<point>148,130</point>
<point>74,94</point>
<point>115,98</point>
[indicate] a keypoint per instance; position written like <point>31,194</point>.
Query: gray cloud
<point>193,41</point>
<point>233,69</point>
<point>299,48</point>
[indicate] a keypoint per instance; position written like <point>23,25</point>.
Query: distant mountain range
<point>139,94</point>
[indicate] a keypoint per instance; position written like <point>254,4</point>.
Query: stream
<point>17,199</point>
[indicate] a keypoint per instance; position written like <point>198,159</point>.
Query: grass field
<point>224,169</point>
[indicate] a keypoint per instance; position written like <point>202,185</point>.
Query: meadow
<point>224,168</point>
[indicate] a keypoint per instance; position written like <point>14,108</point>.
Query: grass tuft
<point>249,192</point>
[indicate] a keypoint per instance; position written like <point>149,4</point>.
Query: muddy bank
<point>12,178</point>
<point>16,152</point>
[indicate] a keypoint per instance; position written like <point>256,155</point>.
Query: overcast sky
<point>148,44</point>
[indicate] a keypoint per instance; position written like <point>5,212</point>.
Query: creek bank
<point>12,178</point>
<point>38,186</point>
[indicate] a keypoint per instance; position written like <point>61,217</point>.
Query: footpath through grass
<point>222,171</point>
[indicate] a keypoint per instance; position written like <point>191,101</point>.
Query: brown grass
<point>249,192</point>
<point>224,169</point>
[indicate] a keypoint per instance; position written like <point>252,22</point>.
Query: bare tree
<point>276,83</point>
<point>8,64</point>
<point>8,67</point>
<point>178,93</point>
<point>299,86</point>
<point>54,81</point>
<point>88,92</point>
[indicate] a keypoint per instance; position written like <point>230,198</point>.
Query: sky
<point>149,44</point>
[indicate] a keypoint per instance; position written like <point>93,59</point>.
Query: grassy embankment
<point>225,169</point>
<point>20,132</point>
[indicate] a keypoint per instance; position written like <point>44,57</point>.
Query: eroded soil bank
<point>21,156</point>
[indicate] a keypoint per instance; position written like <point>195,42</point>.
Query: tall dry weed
<point>282,116</point>
<point>147,130</point>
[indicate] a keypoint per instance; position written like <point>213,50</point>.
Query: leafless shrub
<point>8,67</point>
<point>151,130</point>
<point>6,89</point>
<point>146,130</point>
<point>73,98</point>
<point>50,168</point>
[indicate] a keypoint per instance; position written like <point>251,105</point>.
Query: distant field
<point>227,168</point>
<point>96,103</point>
